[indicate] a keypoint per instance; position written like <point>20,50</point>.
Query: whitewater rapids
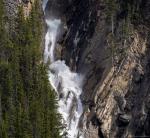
<point>66,83</point>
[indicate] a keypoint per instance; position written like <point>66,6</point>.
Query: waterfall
<point>66,83</point>
<point>44,4</point>
<point>50,39</point>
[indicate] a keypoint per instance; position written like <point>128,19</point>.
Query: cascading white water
<point>69,87</point>
<point>50,38</point>
<point>44,4</point>
<point>66,83</point>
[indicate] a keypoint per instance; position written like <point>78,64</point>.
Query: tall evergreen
<point>28,105</point>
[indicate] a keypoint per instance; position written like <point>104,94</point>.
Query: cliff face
<point>108,42</point>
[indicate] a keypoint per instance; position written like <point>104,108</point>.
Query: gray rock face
<point>85,43</point>
<point>116,66</point>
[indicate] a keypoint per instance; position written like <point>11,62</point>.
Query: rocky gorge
<point>107,41</point>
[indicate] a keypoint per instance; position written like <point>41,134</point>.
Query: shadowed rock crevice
<point>108,42</point>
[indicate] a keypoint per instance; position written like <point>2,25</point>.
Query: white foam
<point>66,83</point>
<point>71,84</point>
<point>50,38</point>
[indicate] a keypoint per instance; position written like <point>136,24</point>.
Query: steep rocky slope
<point>108,42</point>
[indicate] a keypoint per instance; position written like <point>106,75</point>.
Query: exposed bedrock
<point>108,42</point>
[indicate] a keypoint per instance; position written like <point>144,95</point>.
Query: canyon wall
<point>108,42</point>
